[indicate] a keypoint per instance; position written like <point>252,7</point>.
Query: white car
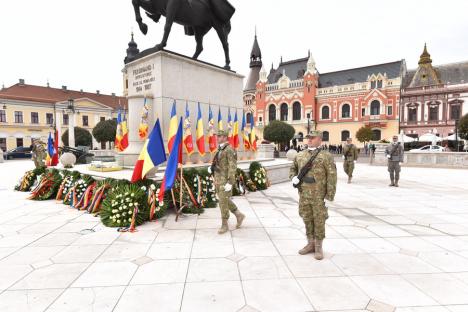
<point>428,149</point>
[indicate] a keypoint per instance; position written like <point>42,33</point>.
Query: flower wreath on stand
<point>125,207</point>
<point>48,185</point>
<point>76,194</point>
<point>259,176</point>
<point>208,188</point>
<point>69,179</point>
<point>99,194</point>
<point>157,209</point>
<point>243,183</point>
<point>29,178</point>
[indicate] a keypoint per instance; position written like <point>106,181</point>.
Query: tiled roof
<point>294,69</point>
<point>40,94</point>
<point>453,73</point>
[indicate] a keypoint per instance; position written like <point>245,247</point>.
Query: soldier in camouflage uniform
<point>350,156</point>
<point>224,168</point>
<point>394,153</point>
<point>318,185</point>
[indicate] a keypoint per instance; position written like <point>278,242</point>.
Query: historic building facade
<point>337,103</point>
<point>29,112</point>
<point>433,97</point>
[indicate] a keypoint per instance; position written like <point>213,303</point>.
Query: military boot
<point>318,250</point>
<point>349,180</point>
<point>396,183</point>
<point>224,227</point>
<point>310,247</point>
<point>240,218</point>
<point>392,183</point>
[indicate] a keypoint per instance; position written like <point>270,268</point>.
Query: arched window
<point>272,112</point>
<point>454,111</point>
<point>346,111</point>
<point>325,112</point>
<point>326,136</point>
<point>412,113</point>
<point>344,135</point>
<point>433,112</point>
<point>297,111</point>
<point>284,112</point>
<point>248,117</point>
<point>375,108</point>
<point>376,135</point>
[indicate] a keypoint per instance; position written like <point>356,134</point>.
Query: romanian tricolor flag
<point>220,120</point>
<point>118,133</point>
<point>152,154</point>
<point>51,151</point>
<point>245,134</point>
<point>253,136</point>
<point>188,139</point>
<point>200,133</point>
<point>229,124</point>
<point>172,128</point>
<point>175,158</point>
<point>143,128</point>
<point>235,133</point>
<point>124,141</point>
<point>211,133</point>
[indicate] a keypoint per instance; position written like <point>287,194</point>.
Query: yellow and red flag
<point>220,120</point>
<point>253,136</point>
<point>124,141</point>
<point>143,128</point>
<point>118,132</point>
<point>188,139</point>
<point>245,134</point>
<point>200,132</point>
<point>172,128</point>
<point>211,133</point>
<point>235,133</point>
<point>229,125</point>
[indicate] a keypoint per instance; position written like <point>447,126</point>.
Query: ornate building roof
<point>294,69</point>
<point>452,74</point>
<point>425,74</point>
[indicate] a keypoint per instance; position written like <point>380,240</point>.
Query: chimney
<point>21,82</point>
<point>81,91</point>
<point>64,88</point>
<point>113,94</point>
<point>98,92</point>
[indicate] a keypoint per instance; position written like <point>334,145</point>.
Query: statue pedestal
<point>266,151</point>
<point>161,78</point>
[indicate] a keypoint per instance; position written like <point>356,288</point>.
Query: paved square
<point>388,249</point>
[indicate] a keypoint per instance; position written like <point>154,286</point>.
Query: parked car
<point>428,149</point>
<point>19,152</point>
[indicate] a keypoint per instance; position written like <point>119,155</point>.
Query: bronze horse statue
<point>197,16</point>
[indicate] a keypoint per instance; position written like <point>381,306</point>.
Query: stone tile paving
<point>388,249</point>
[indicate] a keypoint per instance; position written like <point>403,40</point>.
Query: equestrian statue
<point>197,17</point>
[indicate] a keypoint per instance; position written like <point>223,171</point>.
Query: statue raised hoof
<point>197,16</point>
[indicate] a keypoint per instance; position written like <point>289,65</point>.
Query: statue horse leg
<point>223,31</point>
<point>171,11</point>
<point>143,26</point>
<point>199,34</point>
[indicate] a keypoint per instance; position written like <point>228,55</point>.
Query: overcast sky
<point>82,43</point>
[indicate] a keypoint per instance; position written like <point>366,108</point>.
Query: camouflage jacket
<point>225,165</point>
<point>350,152</point>
<point>323,171</point>
<point>396,152</point>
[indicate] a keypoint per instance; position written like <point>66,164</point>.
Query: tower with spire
<point>425,75</point>
<point>132,50</point>
<point>255,65</point>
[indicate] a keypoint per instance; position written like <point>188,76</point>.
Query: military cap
<point>395,136</point>
<point>222,133</point>
<point>314,133</point>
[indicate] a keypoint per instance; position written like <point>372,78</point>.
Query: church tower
<point>255,66</point>
<point>425,75</point>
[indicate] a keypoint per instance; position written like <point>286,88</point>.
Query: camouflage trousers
<point>348,166</point>
<point>394,168</point>
<point>225,202</point>
<point>314,214</point>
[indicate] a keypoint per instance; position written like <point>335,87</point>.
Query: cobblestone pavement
<point>388,249</point>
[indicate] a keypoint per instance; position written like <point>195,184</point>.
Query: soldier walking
<point>313,173</point>
<point>394,153</point>
<point>350,156</point>
<point>224,168</point>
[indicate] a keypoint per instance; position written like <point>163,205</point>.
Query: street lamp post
<point>71,122</point>
<point>456,134</point>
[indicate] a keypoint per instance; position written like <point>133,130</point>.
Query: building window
<point>325,112</point>
<point>65,119</point>
<point>18,117</point>
<point>284,112</point>
<point>412,114</point>
<point>346,111</point>
<point>49,119</point>
<point>389,110</point>
<point>19,142</point>
<point>2,115</point>
<point>454,112</point>
<point>3,144</point>
<point>344,135</point>
<point>326,136</point>
<point>249,117</point>
<point>376,135</point>
<point>85,121</point>
<point>297,111</point>
<point>379,84</point>
<point>373,84</point>
<point>434,113</point>
<point>34,118</point>
<point>375,108</point>
<point>103,118</point>
<point>272,112</point>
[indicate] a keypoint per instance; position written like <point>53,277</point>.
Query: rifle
<point>306,169</point>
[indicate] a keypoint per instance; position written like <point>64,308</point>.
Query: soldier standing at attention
<point>224,168</point>
<point>394,153</point>
<point>313,173</point>
<point>350,156</point>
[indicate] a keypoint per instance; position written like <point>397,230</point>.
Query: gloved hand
<point>227,187</point>
<point>344,157</point>
<point>295,180</point>
<point>355,161</point>
<point>389,156</point>
<point>328,201</point>
<point>209,170</point>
